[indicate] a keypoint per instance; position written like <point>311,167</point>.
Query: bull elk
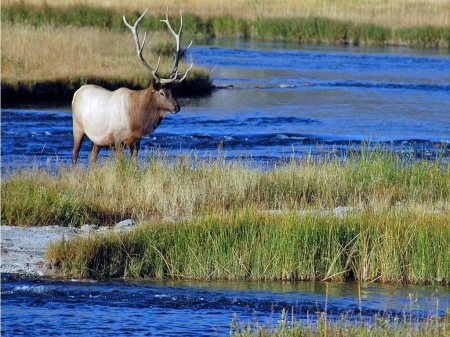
<point>122,117</point>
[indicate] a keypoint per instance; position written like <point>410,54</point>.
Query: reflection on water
<point>198,308</point>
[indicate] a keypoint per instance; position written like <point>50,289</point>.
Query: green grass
<point>392,246</point>
<point>304,30</point>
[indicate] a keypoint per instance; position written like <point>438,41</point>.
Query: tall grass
<point>389,13</point>
<point>298,29</point>
<point>392,246</point>
<point>162,187</point>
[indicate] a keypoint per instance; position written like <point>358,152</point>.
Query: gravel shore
<point>23,249</point>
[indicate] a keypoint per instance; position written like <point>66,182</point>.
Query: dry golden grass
<point>59,53</point>
<point>390,13</point>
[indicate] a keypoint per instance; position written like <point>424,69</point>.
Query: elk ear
<point>155,86</point>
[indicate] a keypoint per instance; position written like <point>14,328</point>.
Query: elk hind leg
<point>78,136</point>
<point>94,153</point>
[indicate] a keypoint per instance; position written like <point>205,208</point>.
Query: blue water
<point>157,308</point>
<point>280,101</point>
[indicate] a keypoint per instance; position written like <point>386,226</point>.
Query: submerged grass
<point>209,218</point>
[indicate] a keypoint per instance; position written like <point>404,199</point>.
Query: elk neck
<point>144,114</point>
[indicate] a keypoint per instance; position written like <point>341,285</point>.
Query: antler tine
<point>180,51</point>
<point>139,48</point>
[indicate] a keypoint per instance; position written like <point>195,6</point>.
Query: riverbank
<point>23,249</point>
<point>290,28</point>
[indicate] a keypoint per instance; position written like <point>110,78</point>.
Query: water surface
<point>158,308</point>
<point>281,101</point>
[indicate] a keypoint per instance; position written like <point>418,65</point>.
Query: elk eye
<point>162,93</point>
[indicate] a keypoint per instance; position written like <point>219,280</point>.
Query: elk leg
<point>119,148</point>
<point>78,136</point>
<point>134,148</point>
<point>94,153</point>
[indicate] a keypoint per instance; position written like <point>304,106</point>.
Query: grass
<point>392,246</point>
<point>288,325</point>
<point>46,63</point>
<point>389,13</point>
<point>304,29</point>
<point>231,220</point>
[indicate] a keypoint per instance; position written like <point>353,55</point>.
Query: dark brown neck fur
<point>143,113</point>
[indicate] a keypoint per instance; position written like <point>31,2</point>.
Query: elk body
<point>122,117</point>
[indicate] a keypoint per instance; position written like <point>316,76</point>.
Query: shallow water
<point>286,101</point>
<point>157,308</point>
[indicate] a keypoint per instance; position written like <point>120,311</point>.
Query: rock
<point>341,211</point>
<point>126,224</point>
<point>88,228</point>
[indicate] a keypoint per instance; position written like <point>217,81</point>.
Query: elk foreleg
<point>134,148</point>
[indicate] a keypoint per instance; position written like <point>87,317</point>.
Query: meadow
<point>389,13</point>
<point>48,63</point>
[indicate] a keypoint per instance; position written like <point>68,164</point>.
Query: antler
<point>180,51</point>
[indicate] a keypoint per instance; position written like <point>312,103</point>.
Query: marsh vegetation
<point>374,216</point>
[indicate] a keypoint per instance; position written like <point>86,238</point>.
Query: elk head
<point>164,98</point>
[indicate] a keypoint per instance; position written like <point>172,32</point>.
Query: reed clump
<point>391,246</point>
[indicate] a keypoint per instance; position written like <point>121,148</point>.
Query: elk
<point>122,117</point>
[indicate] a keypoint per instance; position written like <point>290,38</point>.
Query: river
<point>180,308</point>
<point>281,101</point>
<point>275,101</point>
